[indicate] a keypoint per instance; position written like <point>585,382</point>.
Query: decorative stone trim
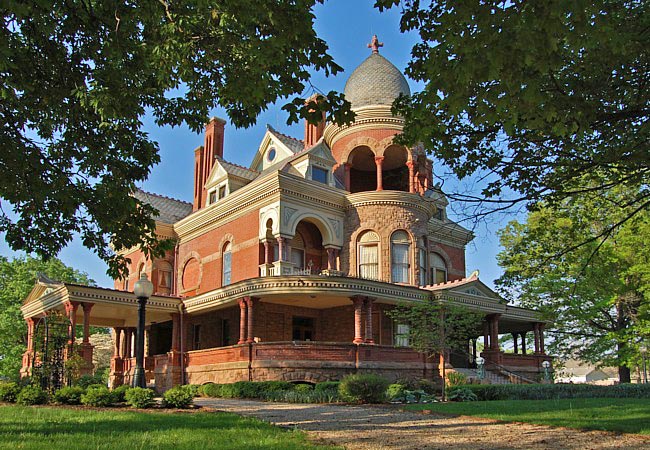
<point>188,257</point>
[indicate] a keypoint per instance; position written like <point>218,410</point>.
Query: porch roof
<point>111,307</point>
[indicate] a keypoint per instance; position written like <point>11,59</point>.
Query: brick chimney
<point>314,132</point>
<point>204,158</point>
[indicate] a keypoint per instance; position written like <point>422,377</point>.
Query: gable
<point>273,149</point>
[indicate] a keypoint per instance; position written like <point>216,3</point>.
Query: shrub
<point>303,388</point>
<point>178,397</point>
<point>98,396</point>
<point>395,392</point>
<point>31,395</point>
<point>9,392</point>
<point>363,388</point>
<point>140,397</point>
<point>193,389</point>
<point>557,391</point>
<point>456,379</point>
<point>311,396</point>
<point>428,386</point>
<point>85,381</point>
<point>69,395</point>
<point>119,393</point>
<point>460,394</point>
<point>331,387</point>
<point>210,390</point>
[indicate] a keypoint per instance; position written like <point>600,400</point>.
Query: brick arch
<point>387,142</point>
<point>274,215</point>
<point>228,237</point>
<point>323,225</point>
<point>188,258</point>
<point>433,248</point>
<point>362,141</point>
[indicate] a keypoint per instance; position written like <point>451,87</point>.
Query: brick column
<point>71,313</point>
<point>176,332</point>
<point>87,307</point>
<point>515,336</point>
<point>30,334</point>
<point>369,339</point>
<point>242,321</point>
<point>411,166</point>
<point>536,335</point>
<point>378,162</point>
<point>358,312</point>
<point>523,343</point>
<point>116,348</point>
<point>494,332</point>
<point>267,254</point>
<point>346,168</point>
<point>251,302</point>
<point>486,334</point>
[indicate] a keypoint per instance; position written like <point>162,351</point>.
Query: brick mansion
<point>285,269</point>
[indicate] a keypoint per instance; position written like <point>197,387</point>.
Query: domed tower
<point>388,212</point>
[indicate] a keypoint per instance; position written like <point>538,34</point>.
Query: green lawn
<point>626,415</point>
<point>60,428</point>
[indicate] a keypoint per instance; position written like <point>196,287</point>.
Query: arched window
<point>368,255</point>
<point>400,246</point>
<point>164,277</point>
<point>227,264</point>
<point>438,268</point>
<point>422,262</point>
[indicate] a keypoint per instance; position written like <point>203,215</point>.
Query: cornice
<point>448,233</point>
<point>311,193</point>
<point>398,198</point>
<point>369,117</point>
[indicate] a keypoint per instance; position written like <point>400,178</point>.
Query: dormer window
<point>319,174</point>
<point>222,191</point>
<point>213,197</point>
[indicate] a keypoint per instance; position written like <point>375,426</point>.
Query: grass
<point>54,428</point>
<point>626,415</point>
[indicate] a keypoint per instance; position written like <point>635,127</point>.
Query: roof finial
<point>375,44</point>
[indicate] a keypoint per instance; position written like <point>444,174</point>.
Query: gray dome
<point>375,82</point>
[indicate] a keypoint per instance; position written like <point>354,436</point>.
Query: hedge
<point>556,391</point>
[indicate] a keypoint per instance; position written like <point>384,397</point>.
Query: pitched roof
<point>237,170</point>
<point>169,209</point>
<point>293,144</point>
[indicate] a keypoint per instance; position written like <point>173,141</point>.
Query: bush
<point>69,395</point>
<point>193,389</point>
<point>310,396</point>
<point>556,391</point>
<point>98,396</point>
<point>140,397</point>
<point>456,379</point>
<point>178,397</point>
<point>460,394</point>
<point>210,390</point>
<point>363,388</point>
<point>85,381</point>
<point>9,392</point>
<point>32,395</point>
<point>395,392</point>
<point>331,387</point>
<point>119,393</point>
<point>303,388</point>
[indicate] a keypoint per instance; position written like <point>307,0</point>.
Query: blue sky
<point>347,26</point>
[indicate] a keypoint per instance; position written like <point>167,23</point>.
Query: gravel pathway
<point>381,427</point>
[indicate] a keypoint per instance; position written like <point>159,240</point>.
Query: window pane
<point>318,174</point>
<point>227,256</point>
<point>400,263</point>
<point>423,267</point>
<point>368,262</point>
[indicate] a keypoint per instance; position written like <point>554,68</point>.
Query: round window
<point>271,154</point>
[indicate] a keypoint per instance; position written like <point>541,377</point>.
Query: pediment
<point>273,149</point>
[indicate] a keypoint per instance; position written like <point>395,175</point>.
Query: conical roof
<point>375,82</point>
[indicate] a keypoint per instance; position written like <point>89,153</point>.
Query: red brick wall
<point>454,255</point>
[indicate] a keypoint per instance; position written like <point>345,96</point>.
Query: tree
<point>436,328</point>
<point>532,96</point>
<point>595,288</point>
<point>76,79</point>
<point>17,278</point>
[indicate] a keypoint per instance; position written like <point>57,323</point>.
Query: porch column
<point>242,321</point>
<point>346,180</point>
<point>541,339</point>
<point>536,335</point>
<point>71,312</point>
<point>411,166</point>
<point>486,334</point>
<point>87,307</point>
<point>176,332</point>
<point>281,247</point>
<point>128,338</point>
<point>331,258</point>
<point>369,339</point>
<point>357,301</point>
<point>523,343</point>
<point>30,334</point>
<point>251,302</point>
<point>117,347</point>
<point>267,255</point>
<point>515,336</point>
<point>494,335</point>
<point>378,162</point>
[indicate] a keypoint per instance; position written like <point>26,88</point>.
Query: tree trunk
<point>624,374</point>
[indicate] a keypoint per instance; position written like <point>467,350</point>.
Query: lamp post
<point>480,364</point>
<point>143,289</point>
<point>547,375</point>
<point>644,354</point>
